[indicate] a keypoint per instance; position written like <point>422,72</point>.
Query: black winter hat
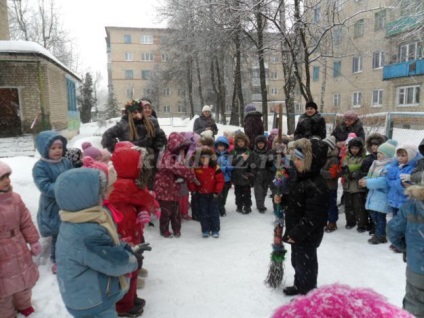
<point>312,105</point>
<point>356,142</point>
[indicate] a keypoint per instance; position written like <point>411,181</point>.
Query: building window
<point>337,35</point>
<point>182,109</point>
<point>273,75</point>
<point>274,91</point>
<point>129,74</point>
<point>377,98</point>
<point>166,91</point>
<point>315,73</point>
<point>317,14</point>
<point>408,95</point>
<point>145,74</point>
<point>410,52</point>
<point>336,100</point>
<point>357,64</point>
<point>380,20</point>
<point>358,29</point>
<point>356,99</point>
<point>146,39</point>
<point>128,56</point>
<point>127,38</point>
<point>377,60</point>
<point>147,57</point>
<point>166,109</point>
<point>165,57</point>
<point>274,58</point>
<point>130,93</point>
<point>337,69</point>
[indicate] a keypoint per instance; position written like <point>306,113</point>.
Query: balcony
<point>405,69</point>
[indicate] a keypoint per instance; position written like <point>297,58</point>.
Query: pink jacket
<point>17,270</point>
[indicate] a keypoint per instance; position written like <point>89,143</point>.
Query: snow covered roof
<point>27,47</point>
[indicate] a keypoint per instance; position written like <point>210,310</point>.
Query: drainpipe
<point>44,122</point>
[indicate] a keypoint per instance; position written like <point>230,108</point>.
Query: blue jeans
<point>333,211</point>
<point>379,219</point>
<point>209,213</point>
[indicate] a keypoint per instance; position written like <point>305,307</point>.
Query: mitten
<point>143,217</point>
<point>35,248</point>
<point>405,177</point>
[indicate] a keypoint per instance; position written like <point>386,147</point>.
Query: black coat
<point>310,126</point>
<point>341,132</point>
<point>121,132</point>
<point>201,123</point>
<point>253,126</point>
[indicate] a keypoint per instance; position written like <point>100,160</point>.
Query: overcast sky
<point>86,21</point>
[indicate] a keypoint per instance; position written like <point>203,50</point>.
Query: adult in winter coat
<point>141,130</point>
<point>306,215</point>
<point>170,168</point>
<point>52,148</point>
<point>133,203</point>
<point>406,234</point>
<point>205,122</point>
<point>18,272</point>
<point>91,259</point>
<point>351,124</point>
<point>253,124</point>
<point>310,123</point>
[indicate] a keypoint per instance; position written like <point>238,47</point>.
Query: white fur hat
<point>206,108</point>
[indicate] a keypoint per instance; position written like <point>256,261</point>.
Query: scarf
<point>377,166</point>
<point>51,160</point>
<point>98,215</point>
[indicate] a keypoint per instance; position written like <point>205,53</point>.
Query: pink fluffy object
<point>335,301</point>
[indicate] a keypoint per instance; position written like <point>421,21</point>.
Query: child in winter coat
<point>377,186</point>
<point>221,149</point>
<point>171,167</point>
<point>52,148</point>
<point>354,195</point>
<point>18,273</point>
<point>261,162</point>
<point>241,175</point>
<point>406,234</point>
<point>211,183</point>
<point>306,214</point>
<point>417,175</point>
<point>91,260</point>
<point>135,204</point>
<point>330,172</point>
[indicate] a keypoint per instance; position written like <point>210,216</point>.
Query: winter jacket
<point>202,122</point>
<point>241,174</point>
<point>417,175</point>
<point>396,196</point>
<point>341,132</point>
<point>223,159</point>
<point>370,157</point>
<point>211,180</point>
<point>351,167</point>
<point>17,270</point>
<point>121,132</point>
<point>378,187</point>
<point>170,167</point>
<point>253,126</point>
<point>45,174</point>
<point>261,162</point>
<point>126,196</point>
<point>331,170</point>
<point>310,126</point>
<point>89,261</point>
<point>407,227</point>
<point>308,198</point>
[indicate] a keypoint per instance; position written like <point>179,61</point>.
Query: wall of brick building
<point>4,21</point>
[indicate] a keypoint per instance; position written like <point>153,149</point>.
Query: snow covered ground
<point>193,277</point>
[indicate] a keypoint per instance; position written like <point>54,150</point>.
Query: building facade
<point>375,60</point>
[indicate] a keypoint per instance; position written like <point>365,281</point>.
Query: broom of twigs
<point>276,269</point>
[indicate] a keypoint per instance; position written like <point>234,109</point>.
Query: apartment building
<point>135,55</point>
<point>375,60</point>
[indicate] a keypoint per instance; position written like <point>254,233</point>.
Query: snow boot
<point>291,291</point>
<point>331,227</point>
<point>27,311</point>
<point>136,311</point>
<point>377,239</point>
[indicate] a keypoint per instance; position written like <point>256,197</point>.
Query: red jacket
<point>126,196</point>
<point>211,180</point>
<point>170,168</point>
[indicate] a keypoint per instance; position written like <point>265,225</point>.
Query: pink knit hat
<point>4,169</point>
<point>334,301</point>
<point>110,173</point>
<point>89,151</point>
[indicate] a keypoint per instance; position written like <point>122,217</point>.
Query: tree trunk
<point>189,74</point>
<point>215,88</point>
<point>237,113</point>
<point>323,85</point>
<point>222,90</point>
<point>199,81</point>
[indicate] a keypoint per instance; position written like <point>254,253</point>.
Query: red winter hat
<point>127,162</point>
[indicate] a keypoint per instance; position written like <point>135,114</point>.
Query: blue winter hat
<point>388,149</point>
<point>249,108</point>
